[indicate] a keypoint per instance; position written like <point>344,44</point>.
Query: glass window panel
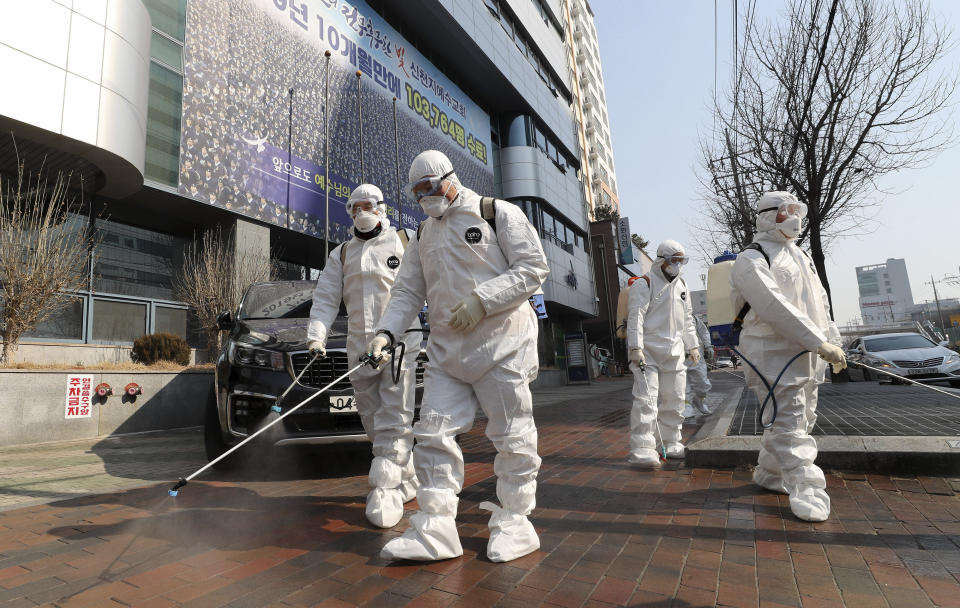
<point>539,138</point>
<point>118,321</point>
<point>492,5</point>
<point>171,321</point>
<point>64,324</point>
<point>519,134</point>
<point>165,50</point>
<point>164,109</point>
<point>135,261</point>
<point>168,16</point>
<point>506,24</point>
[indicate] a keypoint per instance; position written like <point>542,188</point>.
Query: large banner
<point>253,115</point>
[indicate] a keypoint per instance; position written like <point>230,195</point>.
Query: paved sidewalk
<point>293,533</point>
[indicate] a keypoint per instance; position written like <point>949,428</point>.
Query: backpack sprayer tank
<point>721,310</point>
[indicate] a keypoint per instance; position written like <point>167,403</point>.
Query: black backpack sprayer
<point>278,414</point>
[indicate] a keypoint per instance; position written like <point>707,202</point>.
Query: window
<point>64,324</point>
<point>492,7</point>
<point>164,106</point>
<point>115,321</point>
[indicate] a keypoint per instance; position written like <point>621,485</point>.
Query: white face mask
<point>365,221</point>
<point>672,269</point>
<point>434,206</point>
<point>790,227</point>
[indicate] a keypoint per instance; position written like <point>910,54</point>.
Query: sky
<point>658,69</point>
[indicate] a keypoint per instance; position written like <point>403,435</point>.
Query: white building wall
<point>82,70</point>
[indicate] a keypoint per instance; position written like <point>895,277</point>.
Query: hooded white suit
<point>789,313</point>
<point>660,322</point>
<point>489,366</point>
<point>363,283</point>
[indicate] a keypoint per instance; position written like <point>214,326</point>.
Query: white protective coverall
<point>490,365</point>
<point>789,313</point>
<point>363,282</point>
<point>660,323</point>
<point>698,382</point>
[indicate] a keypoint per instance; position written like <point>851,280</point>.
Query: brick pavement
<point>612,536</point>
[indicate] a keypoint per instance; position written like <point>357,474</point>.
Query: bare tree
<point>824,104</point>
<point>44,252</point>
<point>639,242</point>
<point>214,276</point>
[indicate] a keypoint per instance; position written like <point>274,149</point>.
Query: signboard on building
<point>250,145</point>
<point>576,359</point>
<point>626,243</point>
<point>79,394</point>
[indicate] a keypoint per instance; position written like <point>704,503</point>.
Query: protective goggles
<point>426,186</point>
<point>677,258</point>
<point>788,208</point>
<point>355,206</point>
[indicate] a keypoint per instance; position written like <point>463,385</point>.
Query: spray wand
<point>367,359</point>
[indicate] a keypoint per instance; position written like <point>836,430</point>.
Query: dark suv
<point>265,350</point>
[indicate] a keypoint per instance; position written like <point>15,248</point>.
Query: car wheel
<point>212,438</point>
<point>955,383</point>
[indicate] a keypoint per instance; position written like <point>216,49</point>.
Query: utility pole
<point>937,300</point>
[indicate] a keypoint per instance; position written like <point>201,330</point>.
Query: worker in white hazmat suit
<point>660,336</point>
<point>361,272</point>
<point>476,274</point>
<point>698,382</point>
<point>789,313</point>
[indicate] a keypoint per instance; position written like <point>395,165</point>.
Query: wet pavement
<point>287,529</point>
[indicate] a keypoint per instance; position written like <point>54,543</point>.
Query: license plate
<point>921,370</point>
<point>343,404</point>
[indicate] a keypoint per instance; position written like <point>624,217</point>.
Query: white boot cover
<point>676,450</point>
<point>432,534</point>
<point>768,480</point>
<point>408,488</point>
<point>810,504</point>
<point>644,457</point>
<point>384,507</point>
<point>511,534</point>
<point>385,501</point>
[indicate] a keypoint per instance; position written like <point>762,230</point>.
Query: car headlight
<point>257,357</point>
<point>954,358</point>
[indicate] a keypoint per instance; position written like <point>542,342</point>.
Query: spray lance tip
<point>276,408</point>
<point>175,489</point>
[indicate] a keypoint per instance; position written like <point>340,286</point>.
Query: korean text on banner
<point>626,243</point>
<point>79,394</point>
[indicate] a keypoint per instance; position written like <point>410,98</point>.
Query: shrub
<point>160,347</point>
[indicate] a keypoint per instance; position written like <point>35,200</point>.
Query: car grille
<point>323,371</point>
<point>913,364</point>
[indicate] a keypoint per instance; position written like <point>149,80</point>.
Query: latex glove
<point>636,357</point>
<point>467,313</point>
<point>711,354</point>
<point>317,347</point>
<point>694,354</point>
<point>376,346</point>
<point>833,354</point>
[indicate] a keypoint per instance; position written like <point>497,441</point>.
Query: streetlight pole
<point>937,300</point>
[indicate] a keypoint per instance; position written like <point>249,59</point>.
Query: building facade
<point>590,107</point>
<point>885,295</point>
<point>260,116</point>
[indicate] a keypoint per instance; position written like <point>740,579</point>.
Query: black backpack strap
<point>420,228</point>
<point>738,321</point>
<point>403,236</point>
<point>343,253</point>
<point>488,211</point>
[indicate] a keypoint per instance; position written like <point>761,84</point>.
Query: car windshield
<point>877,345</point>
<point>288,300</point>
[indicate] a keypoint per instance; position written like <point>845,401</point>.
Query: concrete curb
<point>939,455</point>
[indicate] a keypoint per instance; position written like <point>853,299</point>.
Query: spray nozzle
<point>174,490</point>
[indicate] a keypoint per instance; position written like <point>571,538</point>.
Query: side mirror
<point>225,320</point>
